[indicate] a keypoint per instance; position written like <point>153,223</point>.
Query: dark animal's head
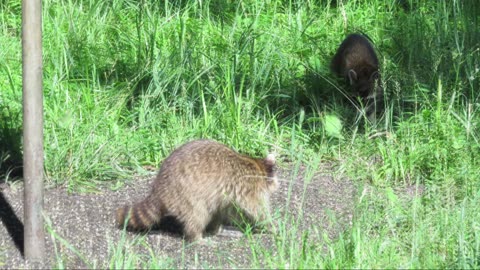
<point>365,81</point>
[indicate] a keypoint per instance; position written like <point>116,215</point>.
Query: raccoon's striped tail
<point>141,216</point>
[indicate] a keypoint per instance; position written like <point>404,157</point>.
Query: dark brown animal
<point>200,184</point>
<point>356,61</point>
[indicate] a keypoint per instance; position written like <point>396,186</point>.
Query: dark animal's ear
<point>352,76</point>
<point>375,76</point>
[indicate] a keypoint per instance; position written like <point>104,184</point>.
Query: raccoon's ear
<point>270,159</point>
<point>352,76</point>
<point>269,163</point>
<point>375,76</point>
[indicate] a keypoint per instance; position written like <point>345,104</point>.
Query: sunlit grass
<point>125,82</point>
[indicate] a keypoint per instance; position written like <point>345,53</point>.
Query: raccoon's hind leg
<point>215,224</point>
<point>194,224</point>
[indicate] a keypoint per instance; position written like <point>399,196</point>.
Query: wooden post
<point>34,235</point>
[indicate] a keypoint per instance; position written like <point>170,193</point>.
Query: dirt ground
<point>86,222</point>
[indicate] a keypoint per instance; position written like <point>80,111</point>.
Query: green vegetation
<point>127,81</point>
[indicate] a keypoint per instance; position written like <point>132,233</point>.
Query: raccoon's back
<point>199,158</point>
<point>203,168</point>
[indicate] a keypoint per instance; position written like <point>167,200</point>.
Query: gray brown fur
<point>356,61</point>
<point>199,183</point>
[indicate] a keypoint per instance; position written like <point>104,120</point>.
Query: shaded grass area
<point>125,82</point>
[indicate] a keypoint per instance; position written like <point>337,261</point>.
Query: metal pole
<point>34,235</point>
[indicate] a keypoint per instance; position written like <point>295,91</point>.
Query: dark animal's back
<point>354,52</point>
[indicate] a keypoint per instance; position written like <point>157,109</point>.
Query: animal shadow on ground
<point>319,91</point>
<point>11,222</point>
<point>169,225</point>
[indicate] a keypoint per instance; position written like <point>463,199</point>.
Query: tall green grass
<point>125,82</point>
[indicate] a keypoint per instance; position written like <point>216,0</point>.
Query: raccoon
<point>356,61</point>
<point>199,184</point>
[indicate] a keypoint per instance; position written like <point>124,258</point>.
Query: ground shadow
<point>12,223</point>
<point>168,225</point>
<point>11,158</point>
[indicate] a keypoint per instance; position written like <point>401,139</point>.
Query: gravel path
<point>86,222</point>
